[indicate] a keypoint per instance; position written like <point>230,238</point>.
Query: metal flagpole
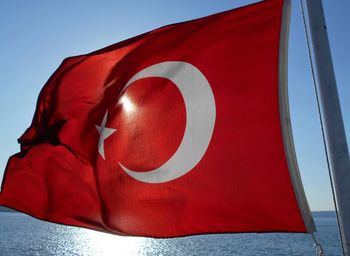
<point>332,119</point>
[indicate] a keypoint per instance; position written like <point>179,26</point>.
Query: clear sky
<point>35,36</point>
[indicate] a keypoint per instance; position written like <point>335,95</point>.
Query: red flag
<point>182,130</point>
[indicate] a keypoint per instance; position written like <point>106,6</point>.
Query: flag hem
<point>286,122</point>
<point>114,232</point>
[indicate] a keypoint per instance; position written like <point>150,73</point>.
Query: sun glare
<point>103,244</point>
<point>127,104</point>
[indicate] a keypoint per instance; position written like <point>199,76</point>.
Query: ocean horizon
<point>21,234</point>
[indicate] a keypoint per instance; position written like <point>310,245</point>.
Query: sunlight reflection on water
<point>97,243</point>
<point>21,235</point>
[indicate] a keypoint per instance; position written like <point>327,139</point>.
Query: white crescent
<point>200,119</point>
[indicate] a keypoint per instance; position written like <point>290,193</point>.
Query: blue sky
<point>35,36</point>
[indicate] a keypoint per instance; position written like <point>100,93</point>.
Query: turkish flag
<point>182,130</point>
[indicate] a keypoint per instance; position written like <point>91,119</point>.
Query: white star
<point>104,134</point>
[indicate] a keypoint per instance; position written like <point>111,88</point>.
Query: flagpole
<point>332,119</point>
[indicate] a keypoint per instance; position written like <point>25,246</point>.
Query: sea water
<point>23,235</point>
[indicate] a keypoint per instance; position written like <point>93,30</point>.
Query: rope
<point>318,247</point>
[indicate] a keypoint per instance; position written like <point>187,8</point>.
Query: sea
<point>24,235</point>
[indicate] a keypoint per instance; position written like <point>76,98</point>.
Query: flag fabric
<point>179,131</point>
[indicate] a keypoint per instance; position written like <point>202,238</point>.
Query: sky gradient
<point>37,35</point>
